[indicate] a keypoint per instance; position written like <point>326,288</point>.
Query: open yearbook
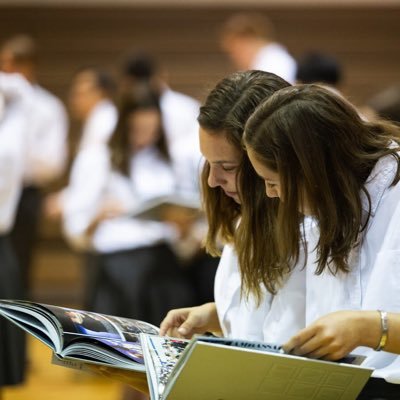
<point>218,368</point>
<point>80,337</point>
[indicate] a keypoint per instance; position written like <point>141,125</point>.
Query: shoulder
<point>48,99</point>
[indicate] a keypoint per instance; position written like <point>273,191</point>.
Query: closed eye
<point>229,168</point>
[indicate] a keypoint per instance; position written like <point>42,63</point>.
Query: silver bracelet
<point>384,330</point>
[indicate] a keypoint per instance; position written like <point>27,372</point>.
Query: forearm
<point>369,323</point>
<point>214,325</point>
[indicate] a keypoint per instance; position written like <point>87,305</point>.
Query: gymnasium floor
<point>50,382</point>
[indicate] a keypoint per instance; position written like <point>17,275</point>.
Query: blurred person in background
<point>179,116</point>
<point>386,103</point>
<point>321,68</point>
<point>16,97</point>
<point>249,41</point>
<point>138,273</point>
<point>46,149</point>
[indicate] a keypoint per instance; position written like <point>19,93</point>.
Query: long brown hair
<point>225,112</point>
<point>324,153</point>
<point>140,99</point>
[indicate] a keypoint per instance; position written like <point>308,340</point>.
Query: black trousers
<point>25,231</point>
<point>12,338</point>
<point>379,389</point>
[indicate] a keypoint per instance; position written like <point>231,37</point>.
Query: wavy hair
<point>324,152</point>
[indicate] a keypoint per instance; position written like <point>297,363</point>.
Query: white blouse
<point>275,320</point>
<point>276,59</point>
<point>47,147</point>
<point>13,125</point>
<point>45,133</point>
<point>374,278</point>
<point>100,125</point>
<point>179,114</point>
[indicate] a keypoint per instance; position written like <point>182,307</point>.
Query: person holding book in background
<point>138,274</point>
<point>179,116</point>
<point>319,159</point>
<point>133,169</point>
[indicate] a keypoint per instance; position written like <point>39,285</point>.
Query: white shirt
<point>277,318</point>
<point>150,177</point>
<point>179,113</point>
<point>100,124</point>
<point>46,150</point>
<point>276,59</point>
<point>374,278</point>
<point>13,124</point>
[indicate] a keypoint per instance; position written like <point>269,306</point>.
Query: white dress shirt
<point>276,59</point>
<point>13,124</point>
<point>46,153</point>
<point>179,113</point>
<point>275,320</point>
<point>100,124</point>
<point>374,278</point>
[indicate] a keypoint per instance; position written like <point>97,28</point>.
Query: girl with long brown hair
<point>230,190</point>
<point>319,159</point>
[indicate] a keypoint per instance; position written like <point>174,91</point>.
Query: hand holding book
<point>336,334</point>
<point>185,322</point>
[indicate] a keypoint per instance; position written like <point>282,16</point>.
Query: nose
<point>215,178</point>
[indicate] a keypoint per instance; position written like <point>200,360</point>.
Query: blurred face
<point>224,159</point>
<point>240,50</point>
<point>143,128</point>
<point>270,178</point>
<point>84,95</point>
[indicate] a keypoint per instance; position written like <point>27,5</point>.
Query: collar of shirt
<point>378,181</point>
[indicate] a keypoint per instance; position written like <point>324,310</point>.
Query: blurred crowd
<point>138,142</point>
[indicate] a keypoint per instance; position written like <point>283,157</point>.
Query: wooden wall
<point>366,40</point>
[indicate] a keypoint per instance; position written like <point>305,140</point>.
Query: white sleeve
<point>47,139</point>
<point>83,196</point>
<point>14,86</point>
<point>12,128</point>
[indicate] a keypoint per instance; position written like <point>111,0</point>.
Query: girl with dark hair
<point>231,190</point>
<point>138,274</point>
<point>318,158</point>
